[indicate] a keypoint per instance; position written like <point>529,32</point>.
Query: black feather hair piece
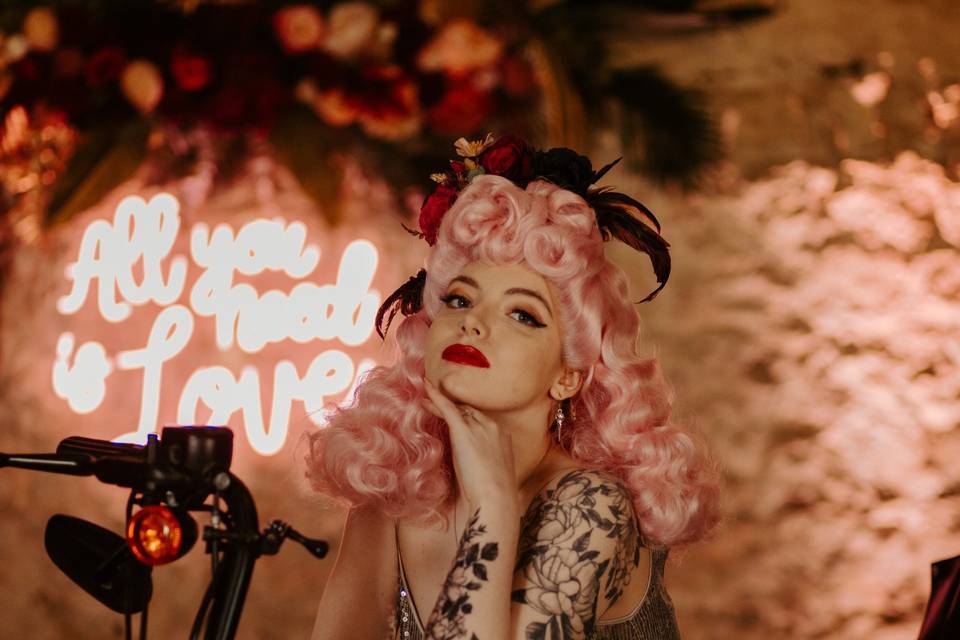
<point>616,218</point>
<point>408,299</point>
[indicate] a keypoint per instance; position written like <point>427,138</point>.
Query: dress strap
<point>405,594</point>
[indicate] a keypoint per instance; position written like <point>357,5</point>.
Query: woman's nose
<point>472,324</point>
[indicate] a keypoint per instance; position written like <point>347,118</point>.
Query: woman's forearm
<point>359,596</point>
<point>475,598</point>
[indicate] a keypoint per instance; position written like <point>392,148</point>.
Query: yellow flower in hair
<point>439,178</point>
<point>472,149</point>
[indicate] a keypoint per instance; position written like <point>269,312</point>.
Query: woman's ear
<point>567,385</point>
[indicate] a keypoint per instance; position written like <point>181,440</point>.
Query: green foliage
<point>105,157</point>
<point>304,145</point>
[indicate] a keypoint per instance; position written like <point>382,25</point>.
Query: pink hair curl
<point>385,449</point>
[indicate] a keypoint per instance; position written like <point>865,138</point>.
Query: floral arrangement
<point>344,76</point>
<point>510,157</point>
<point>384,68</point>
<point>89,90</point>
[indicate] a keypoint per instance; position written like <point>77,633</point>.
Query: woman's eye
<point>528,319</point>
<point>447,299</point>
<point>451,300</point>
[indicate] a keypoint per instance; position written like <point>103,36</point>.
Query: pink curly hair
<point>385,449</point>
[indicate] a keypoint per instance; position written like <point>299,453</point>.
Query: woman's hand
<point>482,451</point>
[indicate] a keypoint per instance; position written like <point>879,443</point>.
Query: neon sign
<point>140,237</point>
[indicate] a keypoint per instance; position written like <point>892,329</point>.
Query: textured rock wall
<point>813,333</point>
<point>821,81</point>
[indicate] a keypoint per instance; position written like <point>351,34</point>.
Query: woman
<point>513,475</point>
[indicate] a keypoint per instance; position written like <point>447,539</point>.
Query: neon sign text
<point>141,237</point>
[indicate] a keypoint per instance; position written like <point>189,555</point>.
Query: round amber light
<point>154,535</point>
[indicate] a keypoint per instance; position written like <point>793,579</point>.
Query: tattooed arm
<point>474,602</point>
<point>578,546</point>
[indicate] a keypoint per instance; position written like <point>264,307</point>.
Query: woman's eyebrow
<point>520,290</point>
<point>530,292</point>
<point>466,280</point>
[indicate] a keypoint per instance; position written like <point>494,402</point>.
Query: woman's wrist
<point>497,505</point>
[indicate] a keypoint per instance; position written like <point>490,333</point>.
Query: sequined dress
<point>653,619</point>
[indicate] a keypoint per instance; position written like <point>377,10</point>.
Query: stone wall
<point>820,81</point>
<point>812,334</point>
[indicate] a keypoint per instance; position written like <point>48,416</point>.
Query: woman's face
<point>509,315</point>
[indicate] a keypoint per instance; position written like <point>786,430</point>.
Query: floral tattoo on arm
<point>555,553</point>
<point>467,574</point>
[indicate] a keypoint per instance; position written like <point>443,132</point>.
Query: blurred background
<point>202,205</point>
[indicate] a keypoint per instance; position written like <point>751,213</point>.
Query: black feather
<point>407,299</point>
<point>602,172</point>
<point>615,218</point>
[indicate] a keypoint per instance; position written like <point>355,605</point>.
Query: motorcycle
<point>169,477</point>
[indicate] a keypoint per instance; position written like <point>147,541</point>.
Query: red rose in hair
<point>433,209</point>
<point>191,71</point>
<point>509,157</point>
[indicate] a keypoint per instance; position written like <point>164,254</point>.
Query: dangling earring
<point>559,418</point>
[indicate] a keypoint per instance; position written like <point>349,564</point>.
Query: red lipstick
<point>464,354</point>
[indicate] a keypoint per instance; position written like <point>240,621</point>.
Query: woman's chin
<point>460,384</point>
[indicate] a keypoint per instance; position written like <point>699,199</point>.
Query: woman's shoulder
<point>569,480</point>
<point>585,504</point>
<point>580,524</point>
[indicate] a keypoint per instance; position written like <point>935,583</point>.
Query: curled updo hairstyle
<point>386,450</point>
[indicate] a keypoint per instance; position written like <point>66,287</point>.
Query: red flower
<point>105,66</point>
<point>516,77</point>
<point>191,71</point>
<point>389,103</point>
<point>509,157</point>
<point>433,210</point>
<point>461,110</point>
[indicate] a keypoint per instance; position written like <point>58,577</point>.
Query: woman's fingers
<point>482,452</point>
<point>431,408</point>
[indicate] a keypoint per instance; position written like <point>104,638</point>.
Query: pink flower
<point>299,27</point>
<point>392,127</point>
<point>142,84</point>
<point>41,29</point>
<point>335,107</point>
<point>459,48</point>
<point>351,27</point>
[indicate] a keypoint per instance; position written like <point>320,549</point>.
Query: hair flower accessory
<point>467,149</point>
<point>431,213</point>
<point>509,157</point>
<point>618,215</point>
<point>407,299</point>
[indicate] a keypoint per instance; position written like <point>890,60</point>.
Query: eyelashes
<point>530,320</point>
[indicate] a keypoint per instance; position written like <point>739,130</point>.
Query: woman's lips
<point>464,354</point>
